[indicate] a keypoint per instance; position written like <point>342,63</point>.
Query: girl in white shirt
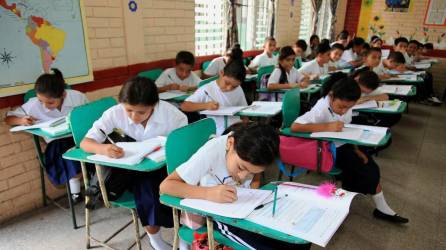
<point>360,173</point>
<point>213,172</point>
<point>53,101</point>
<point>141,116</point>
<point>223,92</point>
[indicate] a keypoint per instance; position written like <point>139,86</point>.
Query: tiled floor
<point>413,176</point>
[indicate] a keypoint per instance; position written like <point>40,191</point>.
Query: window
<point>209,27</point>
<point>253,21</point>
<point>324,21</point>
<point>306,20</point>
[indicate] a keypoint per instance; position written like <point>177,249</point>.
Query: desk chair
<point>152,74</point>
<point>205,65</point>
<point>206,81</point>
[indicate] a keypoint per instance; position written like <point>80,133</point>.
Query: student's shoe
<point>390,218</point>
<point>435,100</point>
<point>77,198</point>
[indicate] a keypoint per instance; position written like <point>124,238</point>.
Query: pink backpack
<point>304,153</point>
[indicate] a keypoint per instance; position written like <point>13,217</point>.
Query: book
<point>134,152</point>
<point>303,213</point>
<point>263,108</point>
<point>395,89</point>
<point>223,111</point>
<point>171,94</point>
<point>247,201</point>
<point>370,134</point>
<point>366,105</point>
<point>46,124</point>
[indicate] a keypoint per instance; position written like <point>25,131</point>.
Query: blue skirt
<point>60,170</point>
<point>146,190</point>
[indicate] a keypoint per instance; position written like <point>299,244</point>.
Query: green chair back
<point>290,107</point>
<point>262,71</point>
<point>182,143</point>
<point>205,65</point>
<point>32,93</point>
<point>206,81</point>
<point>81,118</point>
<point>298,63</point>
<point>152,74</point>
<point>276,53</point>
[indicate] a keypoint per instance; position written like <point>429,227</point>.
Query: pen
<point>108,137</point>
<point>275,200</point>
<point>24,111</point>
<point>292,185</point>
<point>154,150</point>
<point>212,99</point>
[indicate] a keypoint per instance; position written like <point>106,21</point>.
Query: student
<point>360,173</point>
<point>335,61</point>
<point>376,42</point>
<point>428,48</point>
<point>140,115</point>
<point>217,64</point>
<point>285,76</point>
<point>223,92</point>
<point>53,101</point>
<point>353,52</point>
<point>395,62</point>
<point>240,155</point>
<point>299,49</point>
<point>372,61</point>
<point>318,66</point>
<point>400,45</point>
<point>343,39</point>
<point>181,76</point>
<point>314,42</point>
<point>267,58</point>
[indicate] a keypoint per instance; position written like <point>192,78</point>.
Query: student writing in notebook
<point>360,173</point>
<point>267,58</point>
<point>218,64</point>
<point>223,92</point>
<point>181,76</point>
<point>286,76</point>
<point>318,66</point>
<point>393,63</point>
<point>299,49</point>
<point>52,101</point>
<point>235,159</point>
<point>140,115</point>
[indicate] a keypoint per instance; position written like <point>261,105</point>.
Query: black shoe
<point>390,218</point>
<point>77,198</point>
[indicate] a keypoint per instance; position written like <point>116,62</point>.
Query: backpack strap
<point>282,168</point>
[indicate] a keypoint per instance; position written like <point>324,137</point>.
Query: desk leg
<point>176,229</point>
<point>42,166</point>
<point>87,200</point>
<point>210,226</point>
<point>71,204</point>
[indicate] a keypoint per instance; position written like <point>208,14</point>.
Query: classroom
<point>223,124</point>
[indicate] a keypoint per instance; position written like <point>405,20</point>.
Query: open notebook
<point>247,201</point>
<point>408,77</point>
<point>392,105</point>
<point>362,133</point>
<point>224,111</point>
<point>134,152</point>
<point>263,108</point>
<point>53,125</point>
<point>395,89</point>
<point>303,213</point>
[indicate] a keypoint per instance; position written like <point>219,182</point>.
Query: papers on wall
<point>346,133</point>
<point>223,111</point>
<point>134,152</point>
<point>47,124</point>
<point>171,94</point>
<point>247,201</point>
<point>263,108</point>
<point>395,89</point>
<point>303,213</point>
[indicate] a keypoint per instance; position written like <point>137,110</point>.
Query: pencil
<point>275,200</point>
<point>108,137</point>
<point>212,99</point>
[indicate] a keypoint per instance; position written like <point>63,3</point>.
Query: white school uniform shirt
<point>216,65</point>
<point>208,165</point>
<point>235,97</point>
<point>312,67</point>
<point>408,59</point>
<point>263,60</point>
<point>322,113</point>
<point>170,76</point>
<point>349,56</point>
<point>164,119</point>
<point>380,69</point>
<point>293,76</point>
<point>36,109</point>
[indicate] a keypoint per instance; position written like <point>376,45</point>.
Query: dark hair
<point>334,77</point>
<point>337,46</point>
<point>235,69</point>
<point>235,53</point>
<point>400,40</point>
<point>357,41</point>
<point>343,35</point>
<point>139,91</point>
<point>256,143</point>
<point>51,85</point>
<point>346,89</point>
<point>285,52</point>
<point>302,44</point>
<point>325,41</point>
<point>429,46</point>
<point>269,39</point>
<point>368,79</point>
<point>374,38</point>
<point>185,57</point>
<point>322,48</point>
<point>397,57</point>
<point>371,50</point>
<point>415,42</point>
<point>313,37</point>
<point>366,46</point>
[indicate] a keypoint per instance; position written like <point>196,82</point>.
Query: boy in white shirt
<point>352,54</point>
<point>318,66</point>
<point>219,63</point>
<point>267,58</point>
<point>181,76</point>
<point>335,61</point>
<point>299,49</point>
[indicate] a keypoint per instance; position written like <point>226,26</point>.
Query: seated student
<point>299,49</point>
<point>217,64</point>
<point>335,61</point>
<point>400,45</point>
<point>240,155</point>
<point>223,92</point>
<point>314,42</point>
<point>394,62</point>
<point>267,58</point>
<point>53,101</point>
<point>319,65</point>
<point>343,39</point>
<point>140,115</point>
<point>372,61</point>
<point>181,76</point>
<point>428,48</point>
<point>376,42</point>
<point>353,52</point>
<point>285,76</point>
<point>360,173</point>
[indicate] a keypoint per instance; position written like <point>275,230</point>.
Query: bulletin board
<point>435,13</point>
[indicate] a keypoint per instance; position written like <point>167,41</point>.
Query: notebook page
<point>223,111</point>
<point>37,125</point>
<point>347,134</point>
<point>366,105</point>
<point>260,107</point>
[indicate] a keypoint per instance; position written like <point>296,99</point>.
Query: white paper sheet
<point>38,125</point>
<point>347,133</point>
<point>366,105</point>
<point>305,214</point>
<point>370,134</point>
<point>57,129</point>
<point>422,65</point>
<point>171,94</point>
<point>431,60</point>
<point>395,89</point>
<point>264,108</point>
<point>392,105</point>
<point>158,156</point>
<point>248,200</point>
<point>223,111</point>
<point>403,78</point>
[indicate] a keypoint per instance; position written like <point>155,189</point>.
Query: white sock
<point>75,185</point>
<point>157,242</point>
<point>381,204</point>
<point>184,245</point>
